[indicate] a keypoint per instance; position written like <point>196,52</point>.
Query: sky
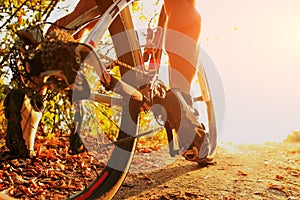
<point>254,46</point>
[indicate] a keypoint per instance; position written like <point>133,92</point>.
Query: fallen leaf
<point>27,190</point>
<point>276,187</point>
<point>18,179</point>
<point>145,177</point>
<point>295,173</point>
<point>278,177</point>
<point>241,173</point>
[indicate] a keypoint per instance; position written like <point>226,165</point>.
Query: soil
<point>266,171</point>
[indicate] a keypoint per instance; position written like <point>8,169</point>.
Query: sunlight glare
<point>84,35</point>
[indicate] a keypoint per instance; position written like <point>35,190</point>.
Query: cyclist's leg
<point>23,110</point>
<point>183,31</point>
<point>182,45</point>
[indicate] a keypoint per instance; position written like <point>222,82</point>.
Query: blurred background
<point>254,46</point>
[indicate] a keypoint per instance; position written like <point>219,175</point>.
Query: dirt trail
<point>268,171</point>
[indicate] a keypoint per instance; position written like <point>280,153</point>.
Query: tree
<point>16,15</point>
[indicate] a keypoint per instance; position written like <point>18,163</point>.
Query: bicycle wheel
<point>106,123</point>
<point>113,42</point>
<point>204,103</point>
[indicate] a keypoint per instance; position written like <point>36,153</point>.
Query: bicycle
<point>133,92</point>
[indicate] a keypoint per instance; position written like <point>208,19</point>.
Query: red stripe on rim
<point>91,190</point>
<point>92,43</point>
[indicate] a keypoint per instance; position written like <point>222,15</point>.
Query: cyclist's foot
<point>192,137</point>
<point>199,149</point>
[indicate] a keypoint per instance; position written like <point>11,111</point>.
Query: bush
<point>294,136</point>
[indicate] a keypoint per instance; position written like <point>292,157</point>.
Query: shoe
<point>181,116</point>
<point>190,127</point>
<point>199,148</point>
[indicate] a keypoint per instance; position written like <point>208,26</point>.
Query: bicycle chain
<point>123,64</point>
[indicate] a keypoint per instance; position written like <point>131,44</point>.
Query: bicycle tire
<point>211,127</point>
<point>113,175</point>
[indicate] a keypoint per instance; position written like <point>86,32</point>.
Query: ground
<point>267,171</point>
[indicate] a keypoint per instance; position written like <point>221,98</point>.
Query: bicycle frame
<point>98,32</point>
<point>94,37</point>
